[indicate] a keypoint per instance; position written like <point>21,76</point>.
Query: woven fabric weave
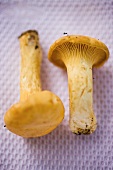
<point>61,149</point>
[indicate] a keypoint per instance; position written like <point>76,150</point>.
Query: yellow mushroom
<point>38,112</point>
<point>79,54</point>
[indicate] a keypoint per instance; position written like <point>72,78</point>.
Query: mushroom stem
<point>30,65</point>
<point>82,118</point>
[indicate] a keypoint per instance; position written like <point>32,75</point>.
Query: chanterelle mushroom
<point>38,112</point>
<point>78,54</point>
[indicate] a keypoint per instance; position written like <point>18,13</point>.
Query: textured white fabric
<point>60,150</point>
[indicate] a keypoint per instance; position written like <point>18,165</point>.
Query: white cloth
<point>60,150</point>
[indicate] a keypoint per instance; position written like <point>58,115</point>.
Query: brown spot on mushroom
<point>51,101</point>
<point>36,46</point>
<point>82,92</point>
<point>90,90</point>
<point>79,133</point>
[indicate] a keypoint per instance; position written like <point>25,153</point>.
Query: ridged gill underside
<point>85,52</point>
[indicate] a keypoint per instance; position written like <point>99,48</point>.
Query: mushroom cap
<point>90,48</point>
<point>37,116</point>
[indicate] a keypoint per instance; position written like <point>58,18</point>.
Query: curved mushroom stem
<point>82,118</point>
<point>30,64</point>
